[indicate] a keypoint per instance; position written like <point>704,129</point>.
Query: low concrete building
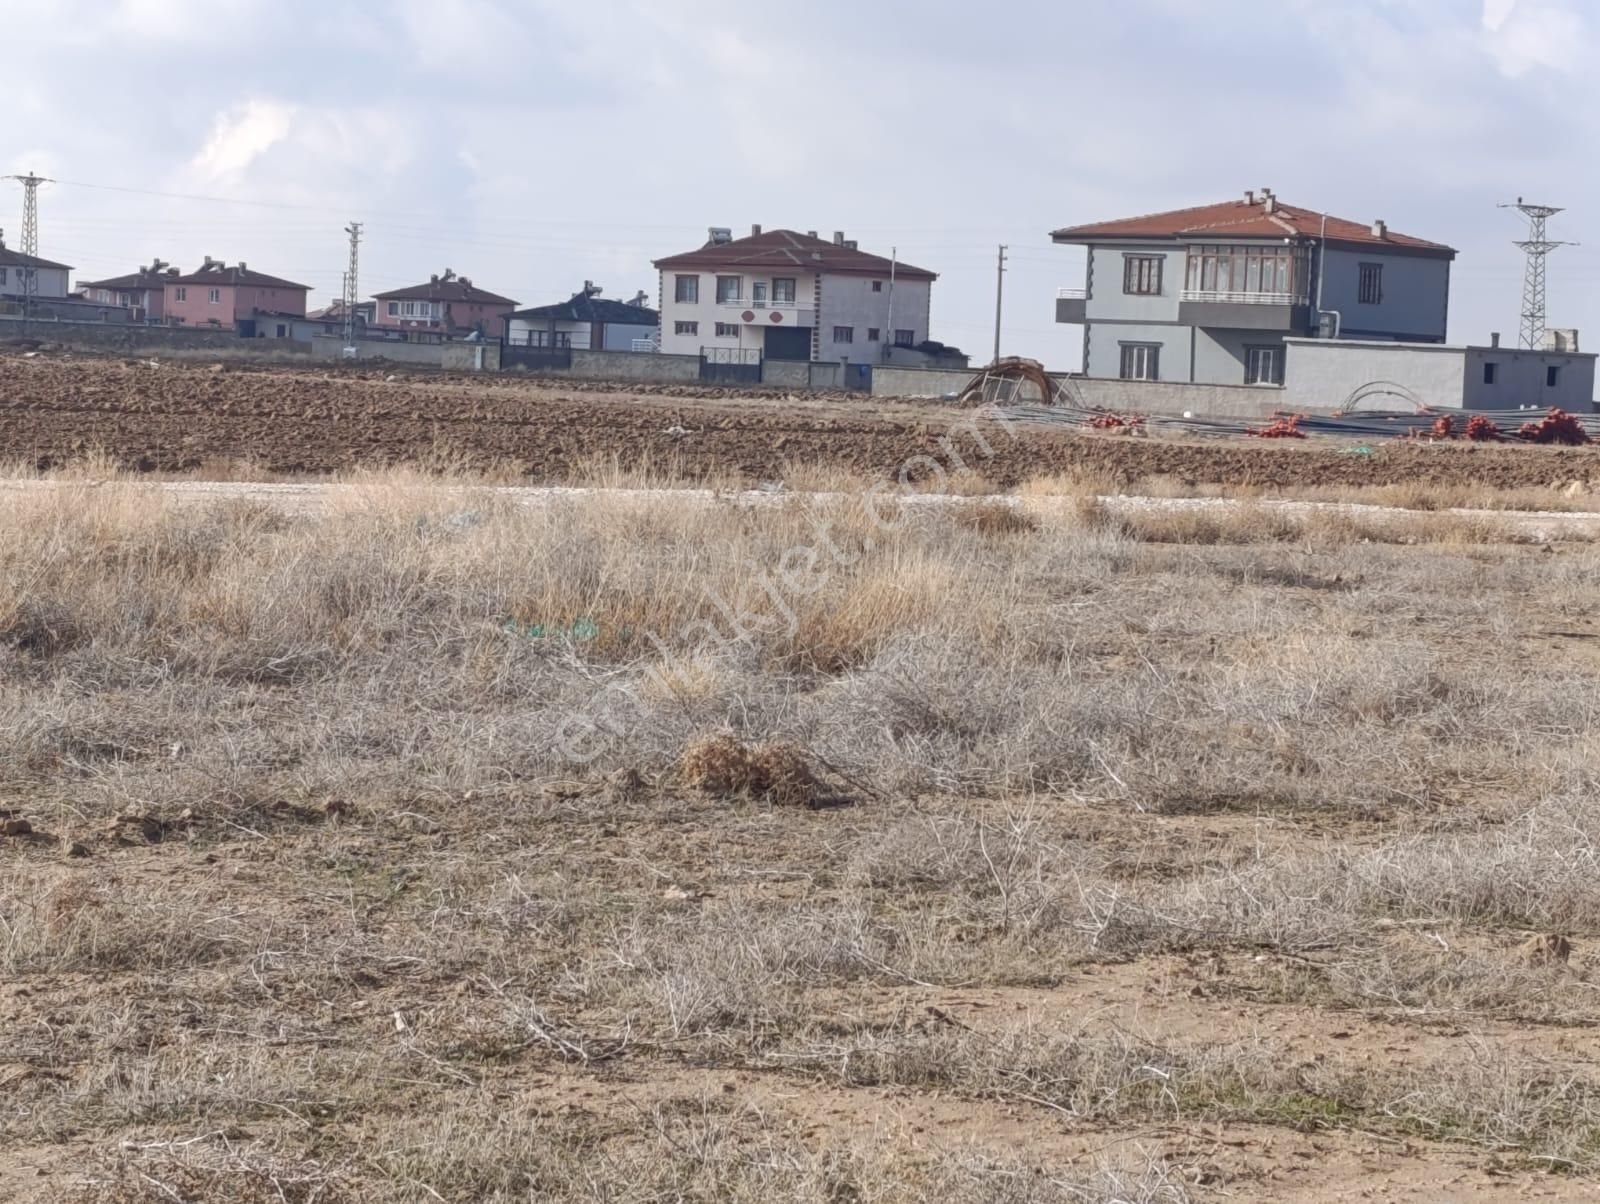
<point>1325,374</point>
<point>586,322</point>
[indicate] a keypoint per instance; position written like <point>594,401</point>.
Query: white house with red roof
<point>781,295</point>
<point>1208,295</point>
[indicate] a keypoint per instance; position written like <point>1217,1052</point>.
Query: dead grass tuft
<point>724,767</point>
<point>996,519</point>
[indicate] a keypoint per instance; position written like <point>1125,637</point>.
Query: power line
<point>1537,247</point>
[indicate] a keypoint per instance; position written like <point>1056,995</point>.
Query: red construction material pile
<point>1282,427</point>
<point>1557,426</point>
<point>1481,430</point>
<point>1108,421</point>
<point>1444,427</point>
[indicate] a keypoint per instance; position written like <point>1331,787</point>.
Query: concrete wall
<point>1521,379</point>
<point>1124,396</point>
<point>102,336</point>
<point>1103,347</point>
<point>1327,373</point>
<point>1108,303</point>
<point>1416,293</point>
<point>455,357</point>
<point>627,365</point>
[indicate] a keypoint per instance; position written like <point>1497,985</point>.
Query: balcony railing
<point>768,303</point>
<point>1072,294</point>
<point>1214,297</point>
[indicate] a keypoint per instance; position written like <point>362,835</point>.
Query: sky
<point>533,146</point>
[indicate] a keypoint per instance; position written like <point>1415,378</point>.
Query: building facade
<point>586,322</point>
<point>787,296</point>
<point>142,293</point>
<point>50,279</point>
<point>238,297</point>
<point>1209,295</point>
<point>1387,375</point>
<point>448,305</point>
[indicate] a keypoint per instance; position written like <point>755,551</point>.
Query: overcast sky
<point>534,145</point>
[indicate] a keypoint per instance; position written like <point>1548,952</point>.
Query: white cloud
<point>1528,36</point>
<point>241,135</point>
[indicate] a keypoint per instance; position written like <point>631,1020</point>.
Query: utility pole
<point>30,239</point>
<point>999,297</point>
<point>350,290</point>
<point>1537,247</point>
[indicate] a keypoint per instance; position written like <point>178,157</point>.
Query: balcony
<point>1233,310</point>
<point>1072,304</point>
<point>767,313</point>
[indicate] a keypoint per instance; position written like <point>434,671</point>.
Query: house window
<point>1141,275</point>
<point>782,291</point>
<point>178,294</point>
<point>872,334</point>
<point>729,288</point>
<point>1552,376</point>
<point>687,291</point>
<point>1371,284</point>
<point>844,334</point>
<point>727,330</point>
<point>1490,371</point>
<point>1141,361</point>
<point>2,276</point>
<point>687,327</point>
<point>877,286</point>
<point>394,309</point>
<point>1263,366</point>
<point>1260,269</point>
<point>905,338</point>
<point>213,296</point>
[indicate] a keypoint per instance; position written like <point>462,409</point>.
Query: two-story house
<point>447,304</point>
<point>236,297</point>
<point>787,296</point>
<point>1208,295</point>
<point>50,279</point>
<point>143,293</point>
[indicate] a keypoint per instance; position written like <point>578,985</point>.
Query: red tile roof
<point>785,250</point>
<point>221,274</point>
<point>1241,219</point>
<point>441,289</point>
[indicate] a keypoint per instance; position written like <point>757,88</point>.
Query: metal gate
<point>731,365</point>
<point>535,359</point>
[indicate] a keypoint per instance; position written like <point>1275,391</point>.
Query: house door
<point>787,343</point>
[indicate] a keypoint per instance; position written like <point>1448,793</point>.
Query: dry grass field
<point>432,848</point>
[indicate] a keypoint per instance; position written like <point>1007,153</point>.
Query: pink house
<point>144,291</point>
<point>448,304</point>
<point>218,295</point>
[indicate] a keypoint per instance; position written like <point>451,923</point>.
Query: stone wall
<point>136,340</point>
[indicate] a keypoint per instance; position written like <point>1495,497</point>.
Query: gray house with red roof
<point>1209,294</point>
<point>781,295</point>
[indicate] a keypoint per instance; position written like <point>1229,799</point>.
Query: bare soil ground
<point>183,417</point>
<point>430,847</point>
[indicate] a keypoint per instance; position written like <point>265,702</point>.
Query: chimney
<point>1380,229</point>
<point>243,266</point>
<point>1268,201</point>
<point>209,264</point>
<point>850,244</point>
<point>1250,196</point>
<point>1494,339</point>
<point>838,238</point>
<point>434,279</point>
<point>811,233</point>
<point>754,230</point>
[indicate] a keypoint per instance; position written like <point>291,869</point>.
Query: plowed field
<point>177,418</point>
